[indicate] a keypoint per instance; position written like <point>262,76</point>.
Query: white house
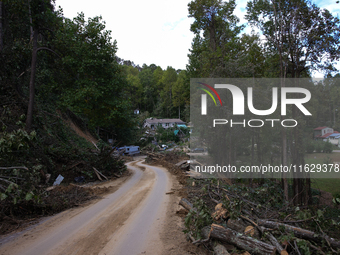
<point>334,139</point>
<point>153,123</point>
<point>321,132</point>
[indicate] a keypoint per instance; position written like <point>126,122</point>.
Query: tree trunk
<point>242,241</point>
<point>1,28</point>
<point>32,81</point>
<point>31,21</point>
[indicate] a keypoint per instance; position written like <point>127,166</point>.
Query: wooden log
<point>240,240</point>
<point>301,233</point>
<point>270,237</point>
<point>98,176</point>
<point>276,243</point>
<point>205,232</point>
<point>185,167</point>
<point>186,204</point>
<point>219,249</point>
<point>238,225</point>
<point>181,163</point>
<point>100,173</point>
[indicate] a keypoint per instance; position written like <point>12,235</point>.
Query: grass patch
<point>325,184</point>
<point>329,185</point>
<point>320,158</point>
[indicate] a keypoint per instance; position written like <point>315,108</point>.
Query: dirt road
<point>132,220</point>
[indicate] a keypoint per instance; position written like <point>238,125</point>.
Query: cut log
<point>250,230</point>
<point>240,240</point>
<point>301,233</point>
<point>181,162</point>
<point>276,243</point>
<point>239,226</point>
<point>185,167</point>
<point>271,238</point>
<point>219,249</point>
<point>205,232</point>
<point>186,204</point>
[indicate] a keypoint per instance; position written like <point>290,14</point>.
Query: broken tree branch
<point>100,173</point>
<point>301,233</point>
<point>13,167</point>
<point>98,176</point>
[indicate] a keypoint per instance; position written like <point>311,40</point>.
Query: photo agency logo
<point>297,96</point>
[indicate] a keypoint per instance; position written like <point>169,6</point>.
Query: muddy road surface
<point>132,220</point>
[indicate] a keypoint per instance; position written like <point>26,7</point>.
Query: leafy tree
<point>328,147</point>
<point>146,79</point>
<point>95,86</point>
<point>134,87</point>
<point>42,17</point>
<point>181,91</point>
<point>169,79</point>
<point>215,45</point>
<point>304,36</point>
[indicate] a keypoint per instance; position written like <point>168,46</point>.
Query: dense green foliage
<point>160,93</point>
<point>68,71</point>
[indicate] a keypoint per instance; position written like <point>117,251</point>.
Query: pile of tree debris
<point>176,163</point>
<point>257,221</point>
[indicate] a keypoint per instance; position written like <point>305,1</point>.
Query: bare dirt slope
<point>138,218</point>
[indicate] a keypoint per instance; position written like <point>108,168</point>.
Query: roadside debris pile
<point>257,221</point>
<point>176,163</point>
<point>50,202</point>
<point>30,192</point>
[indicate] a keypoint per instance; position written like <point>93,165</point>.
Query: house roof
<point>335,134</point>
<point>156,121</point>
<point>320,128</point>
<point>325,135</point>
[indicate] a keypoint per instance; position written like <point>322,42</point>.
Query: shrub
<point>328,147</point>
<point>318,146</point>
<point>310,147</point>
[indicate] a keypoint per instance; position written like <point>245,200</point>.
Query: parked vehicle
<point>129,150</point>
<point>198,150</point>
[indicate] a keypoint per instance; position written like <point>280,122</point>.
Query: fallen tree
<point>242,241</point>
<point>301,233</point>
<point>229,222</point>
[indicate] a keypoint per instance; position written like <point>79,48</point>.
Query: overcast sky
<point>152,31</point>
